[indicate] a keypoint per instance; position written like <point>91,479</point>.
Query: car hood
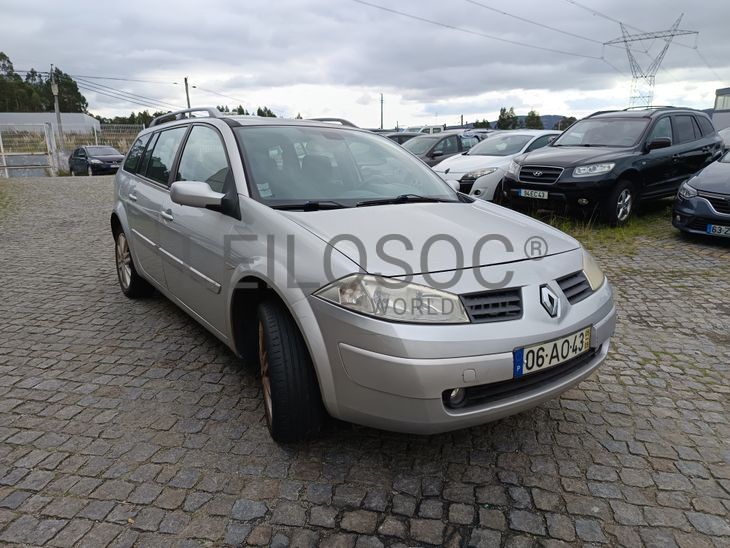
<point>569,156</point>
<point>367,234</point>
<point>464,163</point>
<point>108,158</point>
<point>714,178</point>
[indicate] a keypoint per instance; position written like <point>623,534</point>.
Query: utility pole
<point>462,121</point>
<point>187,92</point>
<point>642,81</point>
<point>381,111</point>
<point>54,90</point>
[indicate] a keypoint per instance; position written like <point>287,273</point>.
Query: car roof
<point>531,132</point>
<point>646,112</point>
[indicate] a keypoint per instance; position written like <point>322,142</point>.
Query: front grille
<point>493,392</point>
<point>575,286</point>
<point>721,204</point>
<point>493,306</point>
<point>540,174</point>
<point>466,184</point>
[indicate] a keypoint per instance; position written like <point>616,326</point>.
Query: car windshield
<point>606,132</point>
<point>320,167</point>
<point>103,151</point>
<point>501,145</point>
<point>420,145</point>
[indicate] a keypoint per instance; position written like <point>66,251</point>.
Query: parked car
<point>725,136</point>
<point>94,160</point>
<point>433,149</point>
<point>401,137</point>
<point>479,171</point>
<point>609,161</point>
<point>277,238</point>
<point>702,205</point>
<point>426,129</point>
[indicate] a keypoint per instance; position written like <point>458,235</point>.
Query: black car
<point>434,147</point>
<point>703,203</point>
<point>94,160</point>
<point>401,137</point>
<point>607,162</point>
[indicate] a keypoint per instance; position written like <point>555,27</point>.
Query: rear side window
<point>705,125</point>
<point>135,153</point>
<point>204,159</point>
<point>685,128</point>
<point>163,154</point>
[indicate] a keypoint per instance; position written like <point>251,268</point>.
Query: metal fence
<point>32,150</point>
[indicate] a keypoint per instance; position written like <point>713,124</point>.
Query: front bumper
<point>565,193</point>
<point>694,214</point>
<point>103,168</point>
<point>392,376</point>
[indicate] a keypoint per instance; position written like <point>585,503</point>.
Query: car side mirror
<point>661,142</point>
<point>195,194</point>
<point>454,184</point>
<point>437,153</point>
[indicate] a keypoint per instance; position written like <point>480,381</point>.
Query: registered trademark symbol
<point>535,247</point>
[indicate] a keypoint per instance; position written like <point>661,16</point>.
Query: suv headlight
<point>686,191</point>
<point>593,169</point>
<point>480,172</point>
<point>593,272</point>
<point>513,168</point>
<point>394,300</point>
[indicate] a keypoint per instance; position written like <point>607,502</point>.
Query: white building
<point>72,121</point>
<point>721,116</point>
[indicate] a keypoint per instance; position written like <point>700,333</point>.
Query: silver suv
<point>364,286</point>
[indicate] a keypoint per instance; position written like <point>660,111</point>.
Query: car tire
<point>89,171</point>
<point>131,283</point>
<point>71,170</point>
<point>498,196</point>
<point>292,400</point>
<point>621,203</point>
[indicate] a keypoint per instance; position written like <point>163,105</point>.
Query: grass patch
<point>654,220</point>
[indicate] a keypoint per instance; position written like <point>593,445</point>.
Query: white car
<point>480,170</point>
<point>725,134</point>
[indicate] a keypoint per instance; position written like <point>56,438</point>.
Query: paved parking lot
<point>124,423</point>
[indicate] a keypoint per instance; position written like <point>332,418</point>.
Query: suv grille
<point>575,286</point>
<point>540,174</point>
<point>719,202</point>
<point>493,306</point>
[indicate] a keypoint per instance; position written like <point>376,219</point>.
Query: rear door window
<point>685,128</point>
<point>135,153</point>
<point>705,125</point>
<point>163,154</point>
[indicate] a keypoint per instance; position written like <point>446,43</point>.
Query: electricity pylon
<point>642,81</point>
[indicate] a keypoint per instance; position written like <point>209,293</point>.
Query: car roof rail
<point>341,121</point>
<point>179,115</point>
<point>653,107</point>
<point>600,112</point>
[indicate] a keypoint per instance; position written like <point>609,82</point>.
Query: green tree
<point>240,111</point>
<point>483,124</point>
<point>565,122</point>
<point>265,112</point>
<point>507,119</point>
<point>298,116</point>
<point>533,120</point>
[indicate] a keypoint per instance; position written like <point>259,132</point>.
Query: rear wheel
<point>292,399</point>
<point>131,283</point>
<point>621,203</point>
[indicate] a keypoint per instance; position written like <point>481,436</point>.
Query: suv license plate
<point>718,230</point>
<point>538,357</point>
<point>539,194</point>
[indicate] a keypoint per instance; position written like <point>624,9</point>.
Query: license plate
<point>527,193</point>
<point>539,357</point>
<point>718,230</point>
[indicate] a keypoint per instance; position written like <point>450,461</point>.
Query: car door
<point>690,156</point>
<point>80,162</point>
<point>148,195</point>
<point>193,238</point>
<point>660,167</point>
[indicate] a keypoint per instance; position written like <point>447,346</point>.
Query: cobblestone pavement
<point>124,423</point>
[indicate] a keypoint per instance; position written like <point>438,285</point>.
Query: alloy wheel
<point>265,374</point>
<point>623,205</point>
<point>124,261</point>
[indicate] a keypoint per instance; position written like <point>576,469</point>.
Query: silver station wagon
<point>364,285</point>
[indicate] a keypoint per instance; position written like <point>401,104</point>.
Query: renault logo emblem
<point>537,173</point>
<point>550,301</point>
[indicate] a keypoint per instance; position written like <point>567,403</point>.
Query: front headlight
<point>687,191</point>
<point>480,172</point>
<point>95,161</point>
<point>513,168</point>
<point>592,169</point>
<point>394,300</point>
<point>593,272</point>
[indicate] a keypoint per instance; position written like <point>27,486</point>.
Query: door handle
<point>132,196</point>
<point>167,215</point>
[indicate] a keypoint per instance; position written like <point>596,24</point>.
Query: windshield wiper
<point>311,205</point>
<point>402,199</point>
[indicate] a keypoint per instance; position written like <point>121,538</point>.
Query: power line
<point>473,32</point>
<point>137,102</point>
<point>118,78</point>
<point>240,101</point>
<point>129,94</point>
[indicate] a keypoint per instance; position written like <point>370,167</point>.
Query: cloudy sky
<point>335,57</point>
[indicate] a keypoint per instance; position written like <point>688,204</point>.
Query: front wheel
<point>292,400</point>
<point>89,171</point>
<point>621,203</point>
